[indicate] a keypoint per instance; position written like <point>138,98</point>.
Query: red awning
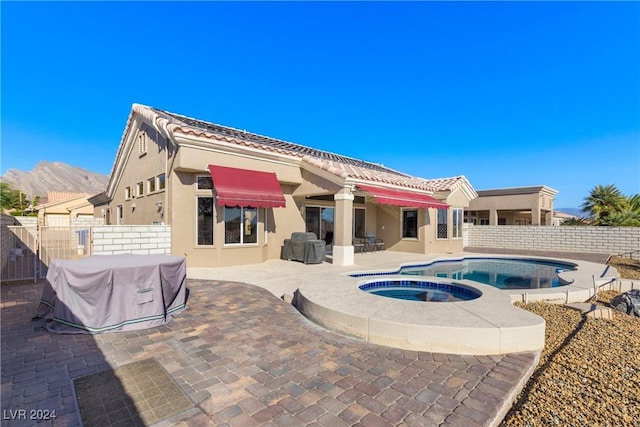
<point>387,196</point>
<point>242,187</point>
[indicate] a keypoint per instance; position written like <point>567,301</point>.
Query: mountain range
<point>55,176</point>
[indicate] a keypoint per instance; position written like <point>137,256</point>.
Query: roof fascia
<point>124,150</point>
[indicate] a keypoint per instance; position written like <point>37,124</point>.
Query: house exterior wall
<point>140,167</point>
<point>186,155</point>
<point>512,202</point>
<point>64,213</point>
<point>534,208</point>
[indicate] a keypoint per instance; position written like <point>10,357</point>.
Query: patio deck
<point>245,357</point>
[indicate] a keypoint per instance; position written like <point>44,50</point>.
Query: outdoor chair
<point>358,244</point>
<point>372,243</point>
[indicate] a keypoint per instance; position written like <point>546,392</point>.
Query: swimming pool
<point>421,290</point>
<point>501,273</point>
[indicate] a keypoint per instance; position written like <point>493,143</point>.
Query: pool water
<point>497,272</point>
<point>418,290</point>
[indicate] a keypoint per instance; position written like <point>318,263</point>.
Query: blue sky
<point>506,93</point>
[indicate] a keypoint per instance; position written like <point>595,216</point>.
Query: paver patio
<point>245,357</point>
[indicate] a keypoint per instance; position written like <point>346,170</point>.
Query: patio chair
<point>372,243</point>
<point>359,245</point>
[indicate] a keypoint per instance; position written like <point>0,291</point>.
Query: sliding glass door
<point>320,220</point>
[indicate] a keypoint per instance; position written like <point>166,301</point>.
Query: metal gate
<point>27,251</point>
<point>19,253</point>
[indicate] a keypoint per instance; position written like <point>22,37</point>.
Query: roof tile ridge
<point>331,155</point>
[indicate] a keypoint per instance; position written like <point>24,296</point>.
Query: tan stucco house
<point>232,197</point>
<point>64,209</point>
<point>512,206</point>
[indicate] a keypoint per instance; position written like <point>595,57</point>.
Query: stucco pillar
<point>343,242</point>
<point>535,216</point>
<point>493,217</point>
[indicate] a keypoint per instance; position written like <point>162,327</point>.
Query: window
<point>204,183</point>
<point>204,224</point>
<point>240,225</point>
<point>320,220</point>
<point>442,224</point>
<point>457,223</point>
<point>484,221</point>
<point>161,182</point>
<point>409,224</point>
<point>139,189</point>
<point>119,211</point>
<point>358,222</point>
<point>151,185</point>
<point>142,143</point>
<point>127,193</point>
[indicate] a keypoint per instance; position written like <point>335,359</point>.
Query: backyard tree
<point>11,198</point>
<point>606,205</point>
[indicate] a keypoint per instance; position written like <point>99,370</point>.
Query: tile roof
<point>57,196</point>
<point>339,165</point>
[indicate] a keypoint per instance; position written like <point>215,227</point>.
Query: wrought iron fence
<point>28,251</point>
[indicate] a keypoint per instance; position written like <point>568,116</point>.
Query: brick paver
<point>245,357</point>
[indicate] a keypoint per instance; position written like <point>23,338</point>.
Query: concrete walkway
<point>245,357</point>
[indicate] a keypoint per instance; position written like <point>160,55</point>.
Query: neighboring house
<point>233,197</point>
<point>64,209</point>
<point>560,217</point>
<point>512,206</point>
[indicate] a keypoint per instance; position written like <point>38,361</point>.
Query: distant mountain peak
<point>55,176</point>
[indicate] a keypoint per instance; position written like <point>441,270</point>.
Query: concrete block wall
<point>602,240</point>
<point>85,221</point>
<point>27,221</point>
<point>133,239</point>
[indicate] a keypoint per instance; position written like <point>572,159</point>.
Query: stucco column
<point>343,246</point>
<point>535,213</point>
<point>493,217</point>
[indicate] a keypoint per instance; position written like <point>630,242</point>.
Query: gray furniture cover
<point>304,247</point>
<point>112,293</point>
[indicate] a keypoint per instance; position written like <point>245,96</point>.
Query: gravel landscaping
<point>589,371</point>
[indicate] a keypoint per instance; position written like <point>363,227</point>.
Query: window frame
<point>140,189</point>
<point>364,222</point>
<point>161,182</point>
<point>120,215</point>
<point>457,215</point>
<point>142,143</point>
<point>403,220</point>
<point>128,193</point>
<point>439,229</point>
<point>197,221</point>
<point>151,182</point>
<point>241,229</point>
<point>204,177</point>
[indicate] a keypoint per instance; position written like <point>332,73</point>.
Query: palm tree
<point>575,221</point>
<point>603,202</point>
<point>629,215</point>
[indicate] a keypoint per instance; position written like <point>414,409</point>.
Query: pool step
<point>592,310</point>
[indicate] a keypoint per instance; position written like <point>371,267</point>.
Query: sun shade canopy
<point>406,198</point>
<point>242,187</point>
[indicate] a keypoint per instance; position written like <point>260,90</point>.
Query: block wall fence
<point>581,239</point>
<point>131,239</point>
